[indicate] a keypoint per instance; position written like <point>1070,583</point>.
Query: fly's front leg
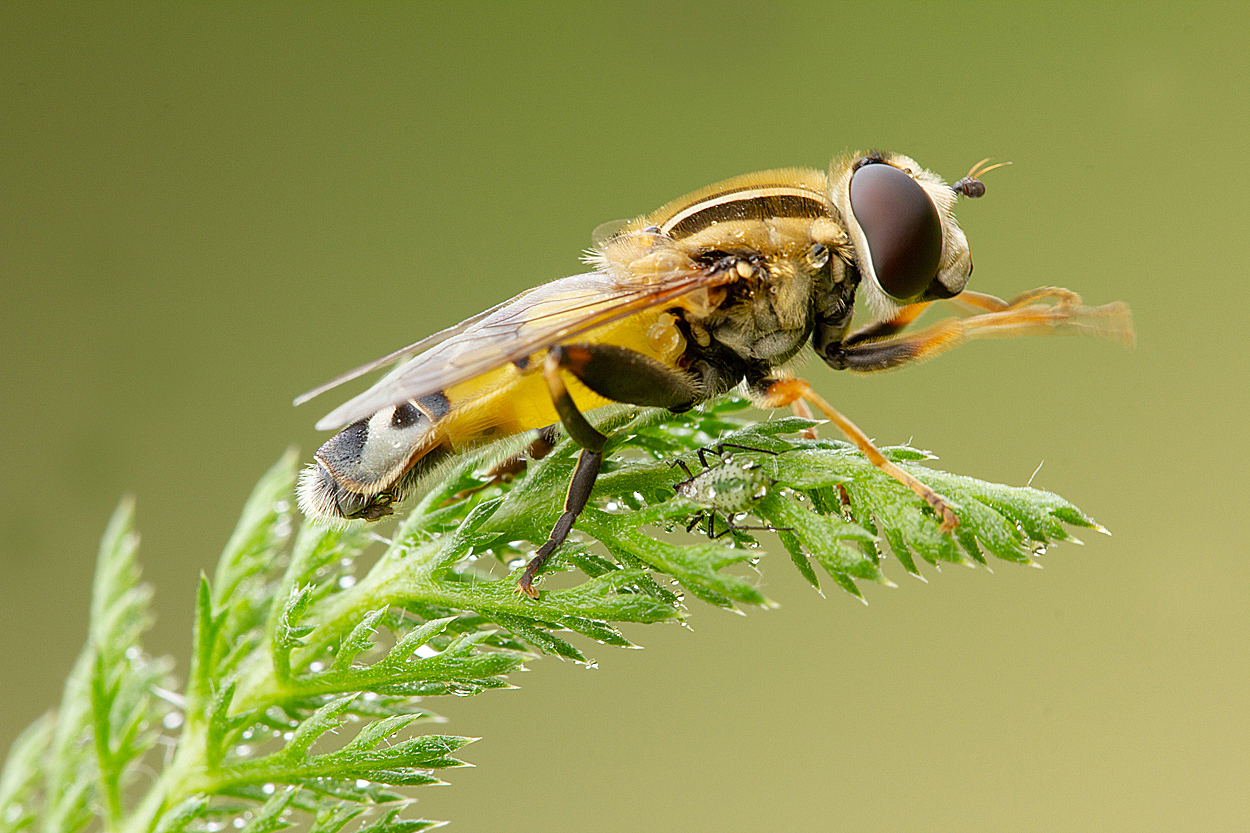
<point>780,392</point>
<point>615,373</point>
<point>878,347</point>
<point>1019,317</point>
<point>990,303</point>
<point>901,320</point>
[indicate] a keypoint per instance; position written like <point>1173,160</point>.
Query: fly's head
<point>903,237</point>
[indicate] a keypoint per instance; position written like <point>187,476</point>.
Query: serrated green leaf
<point>373,734</point>
<point>415,638</point>
<point>259,531</point>
<point>391,823</point>
<point>324,719</point>
<point>696,566</point>
<point>276,603</point>
<point>538,634</point>
<point>358,641</point>
<point>268,818</point>
<point>19,780</point>
<point>334,818</point>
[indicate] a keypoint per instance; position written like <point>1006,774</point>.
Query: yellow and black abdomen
<point>359,472</point>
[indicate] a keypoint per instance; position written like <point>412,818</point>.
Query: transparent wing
<point>532,321</point>
<point>403,352</point>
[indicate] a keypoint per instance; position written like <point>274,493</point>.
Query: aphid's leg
<point>747,528</point>
<point>677,461</point>
<point>732,526</point>
<point>720,447</point>
<point>784,391</point>
<point>844,498</point>
<point>616,373</point>
<point>1110,321</point>
<point>543,443</point>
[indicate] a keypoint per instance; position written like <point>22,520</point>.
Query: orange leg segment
<point>1018,317</point>
<point>801,410</point>
<point>789,391</point>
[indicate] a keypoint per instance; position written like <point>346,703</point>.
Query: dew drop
<point>243,750</point>
<point>347,581</point>
<point>361,783</point>
<point>133,652</point>
<point>288,736</point>
<point>426,651</point>
<point>317,667</point>
<point>238,822</point>
<point>172,720</point>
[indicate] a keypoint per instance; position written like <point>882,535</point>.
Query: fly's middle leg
<point>780,392</point>
<point>615,373</point>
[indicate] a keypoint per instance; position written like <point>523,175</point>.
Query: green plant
<point>294,638</point>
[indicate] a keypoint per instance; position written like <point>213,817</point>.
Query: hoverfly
<point>719,289</point>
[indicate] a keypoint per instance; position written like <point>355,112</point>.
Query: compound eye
<point>902,227</point>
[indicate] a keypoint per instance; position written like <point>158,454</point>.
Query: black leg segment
<point>615,373</point>
<point>574,502</point>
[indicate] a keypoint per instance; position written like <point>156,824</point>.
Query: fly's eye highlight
<point>902,227</point>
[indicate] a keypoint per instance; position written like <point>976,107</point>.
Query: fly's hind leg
<point>508,468</point>
<point>615,373</point>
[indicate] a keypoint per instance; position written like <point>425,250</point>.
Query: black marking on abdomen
<point>435,405</point>
<point>344,448</point>
<point>406,415</point>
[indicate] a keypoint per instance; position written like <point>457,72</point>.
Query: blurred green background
<point>207,209</point>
